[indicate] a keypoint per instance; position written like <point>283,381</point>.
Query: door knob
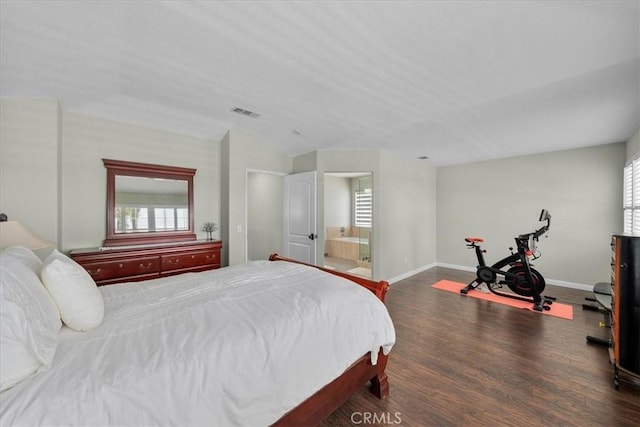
<point>312,236</point>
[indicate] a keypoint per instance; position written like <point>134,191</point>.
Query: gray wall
<point>65,201</point>
<point>29,142</point>
<point>243,151</point>
<point>499,199</point>
<point>633,146</point>
<point>337,201</point>
<point>87,140</point>
<point>406,206</point>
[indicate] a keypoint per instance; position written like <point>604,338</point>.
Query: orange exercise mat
<point>557,309</point>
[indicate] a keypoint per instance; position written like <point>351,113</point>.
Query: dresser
<point>625,305</point>
<point>134,263</point>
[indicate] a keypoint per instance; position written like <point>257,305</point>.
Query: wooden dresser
<point>134,263</point>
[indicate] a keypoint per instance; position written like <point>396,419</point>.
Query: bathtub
<point>345,247</point>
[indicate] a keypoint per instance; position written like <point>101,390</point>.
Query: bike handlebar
<point>544,216</point>
<point>539,232</point>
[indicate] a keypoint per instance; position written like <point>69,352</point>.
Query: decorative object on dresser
<point>209,227</point>
<point>135,263</point>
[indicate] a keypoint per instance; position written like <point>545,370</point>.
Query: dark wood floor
<point>461,361</point>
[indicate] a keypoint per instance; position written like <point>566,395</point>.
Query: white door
<point>300,233</point>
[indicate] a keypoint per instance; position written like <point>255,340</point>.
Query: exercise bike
<point>524,281</point>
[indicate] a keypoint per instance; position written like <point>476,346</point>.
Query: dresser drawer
<point>129,264</point>
<point>194,260</point>
<point>140,268</point>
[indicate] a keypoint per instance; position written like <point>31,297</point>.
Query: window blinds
<point>364,208</point>
<point>631,197</point>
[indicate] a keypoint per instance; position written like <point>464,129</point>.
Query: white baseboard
<point>410,273</point>
<point>553,282</point>
<point>456,267</point>
<point>571,285</point>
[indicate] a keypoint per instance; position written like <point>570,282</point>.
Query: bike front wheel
<point>522,287</point>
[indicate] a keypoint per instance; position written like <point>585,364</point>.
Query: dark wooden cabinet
<point>134,263</point>
<point>625,302</point>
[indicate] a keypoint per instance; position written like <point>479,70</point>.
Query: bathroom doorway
<point>348,219</point>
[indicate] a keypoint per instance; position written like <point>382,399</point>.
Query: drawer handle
<point>94,272</point>
<point>145,267</point>
<point>175,261</point>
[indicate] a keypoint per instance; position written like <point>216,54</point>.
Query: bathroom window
<point>364,208</point>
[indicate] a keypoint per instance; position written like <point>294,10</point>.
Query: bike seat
<point>474,239</point>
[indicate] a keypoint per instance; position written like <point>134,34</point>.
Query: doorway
<point>348,219</point>
<point>264,214</point>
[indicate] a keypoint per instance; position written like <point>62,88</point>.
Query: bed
<point>267,342</point>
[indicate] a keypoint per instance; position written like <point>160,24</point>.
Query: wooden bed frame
<point>329,398</point>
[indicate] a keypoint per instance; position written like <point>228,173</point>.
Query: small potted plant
<point>209,228</point>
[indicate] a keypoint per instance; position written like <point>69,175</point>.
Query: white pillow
<point>74,291</point>
<point>29,319</point>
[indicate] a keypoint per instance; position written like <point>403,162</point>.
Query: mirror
<point>148,203</point>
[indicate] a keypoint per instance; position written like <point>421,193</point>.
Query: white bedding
<point>236,346</point>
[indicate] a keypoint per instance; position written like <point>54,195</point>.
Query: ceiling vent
<point>245,112</point>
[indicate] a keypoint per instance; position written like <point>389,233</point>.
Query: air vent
<point>245,112</point>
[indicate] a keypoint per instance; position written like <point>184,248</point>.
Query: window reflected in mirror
<point>150,204</point>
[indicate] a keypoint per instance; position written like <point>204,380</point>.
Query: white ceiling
<point>456,81</point>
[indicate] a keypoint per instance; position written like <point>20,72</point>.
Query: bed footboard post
<point>380,383</point>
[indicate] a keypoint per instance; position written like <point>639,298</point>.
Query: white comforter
<point>236,346</point>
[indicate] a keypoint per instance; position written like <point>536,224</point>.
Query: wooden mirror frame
<point>123,168</point>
